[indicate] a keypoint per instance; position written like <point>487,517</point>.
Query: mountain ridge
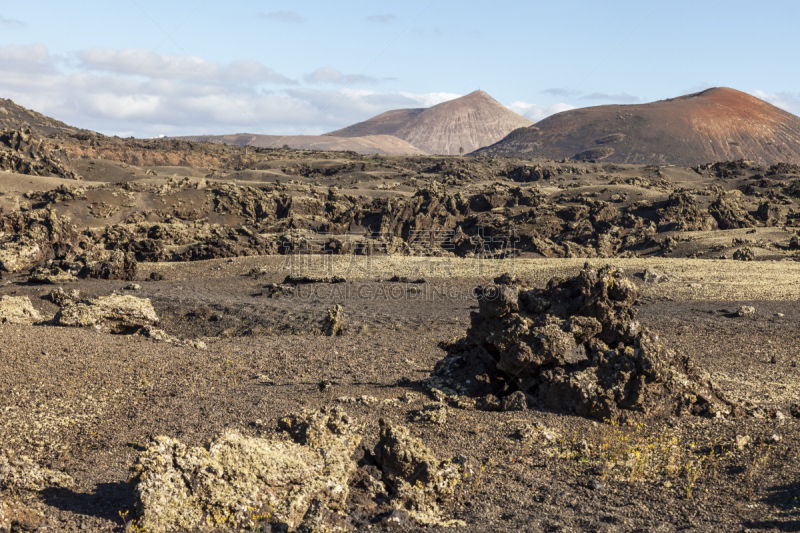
<point>718,124</point>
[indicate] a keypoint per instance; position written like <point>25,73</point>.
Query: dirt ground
<point>86,402</point>
<point>209,234</point>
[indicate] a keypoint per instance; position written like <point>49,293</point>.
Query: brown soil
<point>208,246</point>
<point>118,392</point>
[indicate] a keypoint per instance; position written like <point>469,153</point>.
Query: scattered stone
<point>62,298</point>
<point>114,314</point>
<point>745,254</point>
<point>325,385</point>
<point>409,397</point>
<point>278,290</point>
<point>335,322</point>
<point>433,413</point>
<point>595,485</point>
<point>52,276</point>
<point>301,483</point>
<point>363,400</point>
<point>779,315</point>
<point>742,441</point>
<point>155,276</point>
<point>773,360</point>
<point>746,310</point>
<point>132,287</point>
<point>18,310</point>
<point>159,335</point>
<point>489,403</point>
<point>651,275</point>
<point>794,410</point>
<point>299,279</point>
<point>516,401</point>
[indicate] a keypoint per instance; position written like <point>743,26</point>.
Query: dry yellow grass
<point>689,279</point>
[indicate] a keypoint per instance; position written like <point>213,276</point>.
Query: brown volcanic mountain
<point>714,125</point>
<point>469,122</point>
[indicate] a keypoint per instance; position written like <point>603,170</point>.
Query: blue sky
<point>146,67</point>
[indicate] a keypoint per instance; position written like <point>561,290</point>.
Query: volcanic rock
<point>419,482</point>
<point>290,484</point>
<point>729,214</point>
<point>18,310</point>
<point>576,346</point>
<point>335,322</point>
<point>52,276</point>
<point>122,266</point>
<point>62,298</point>
<point>29,237</point>
<point>114,314</point>
<point>21,473</point>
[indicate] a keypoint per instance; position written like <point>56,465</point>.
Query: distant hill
<point>718,124</point>
<point>370,144</point>
<point>470,122</point>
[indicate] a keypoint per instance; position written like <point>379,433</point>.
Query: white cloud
<point>141,62</point>
<point>334,77</point>
<point>283,16</point>
<point>31,53</point>
<point>11,23</point>
<point>785,100</point>
<point>169,96</point>
<point>537,112</point>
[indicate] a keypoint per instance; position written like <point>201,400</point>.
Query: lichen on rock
<point>115,314</point>
<point>418,482</point>
<point>18,310</point>
<point>334,323</point>
<point>234,478</point>
<point>21,473</point>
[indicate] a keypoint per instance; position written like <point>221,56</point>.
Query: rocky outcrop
<point>34,236</point>
<point>23,153</point>
<point>18,310</point>
<point>681,213</point>
<point>418,482</point>
<point>237,482</point>
<point>113,314</point>
<point>730,214</point>
<point>121,266</point>
<point>576,346</point>
<point>51,276</point>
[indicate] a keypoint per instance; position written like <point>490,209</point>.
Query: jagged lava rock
<point>576,346</point>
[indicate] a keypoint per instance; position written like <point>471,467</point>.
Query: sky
<point>146,68</point>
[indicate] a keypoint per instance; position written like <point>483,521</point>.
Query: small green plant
<point>130,525</point>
